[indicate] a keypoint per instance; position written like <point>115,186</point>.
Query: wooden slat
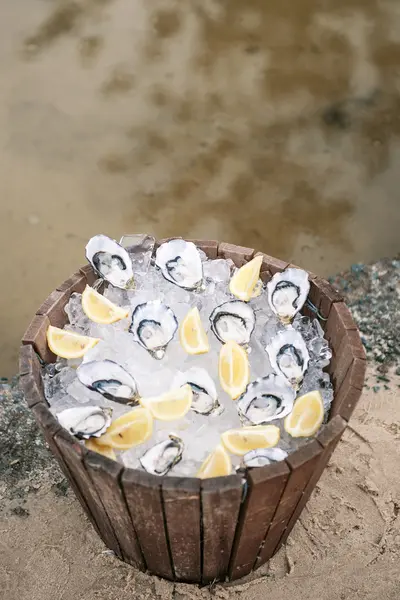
<point>328,297</point>
<point>143,497</point>
<point>349,393</point>
<point>105,475</point>
<point>35,335</point>
<point>50,426</point>
<point>75,283</point>
<point>27,360</point>
<point>339,320</point>
<point>210,247</point>
<point>349,348</point>
<point>72,453</point>
<point>90,275</point>
<point>32,385</point>
<point>239,254</point>
<point>181,497</point>
<point>220,500</point>
<point>274,265</point>
<point>328,438</point>
<point>53,308</point>
<point>314,296</point>
<point>265,487</point>
<point>302,464</point>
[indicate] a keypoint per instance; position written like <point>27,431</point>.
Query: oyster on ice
<point>180,263</point>
<point>234,320</point>
<point>109,379</point>
<point>205,396</point>
<point>264,456</point>
<point>85,421</point>
<point>160,459</point>
<point>287,293</point>
<point>153,326</point>
<point>266,399</point>
<point>289,356</point>
<point>111,261</point>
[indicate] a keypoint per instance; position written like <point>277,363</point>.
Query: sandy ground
<point>346,545</point>
<point>274,124</point>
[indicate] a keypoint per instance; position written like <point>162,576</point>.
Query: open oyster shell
<point>266,399</point>
<point>289,356</point>
<point>180,263</point>
<point>85,421</point>
<point>160,459</point>
<point>287,293</point>
<point>205,396</point>
<point>109,379</point>
<point>264,456</point>
<point>234,320</point>
<point>153,326</point>
<point>110,261</point>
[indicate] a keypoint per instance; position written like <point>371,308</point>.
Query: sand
<point>346,545</point>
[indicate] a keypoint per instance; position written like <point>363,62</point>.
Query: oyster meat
<point>153,326</point>
<point>160,459</point>
<point>180,263</point>
<point>234,320</point>
<point>264,456</point>
<point>289,356</point>
<point>205,396</point>
<point>266,399</point>
<point>111,261</point>
<point>85,421</point>
<point>287,293</point>
<point>109,379</point>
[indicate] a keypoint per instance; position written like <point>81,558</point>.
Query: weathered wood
<point>73,453</point>
<point>53,308</point>
<point>90,275</point>
<point>105,475</point>
<point>265,487</point>
<point>339,321</point>
<point>27,360</point>
<point>239,254</point>
<point>220,501</point>
<point>32,384</point>
<point>76,283</point>
<point>35,336</point>
<point>143,497</point>
<point>210,247</point>
<point>328,297</point>
<point>302,464</point>
<point>349,392</point>
<point>50,426</point>
<point>328,438</point>
<point>274,265</point>
<point>349,349</point>
<point>181,497</point>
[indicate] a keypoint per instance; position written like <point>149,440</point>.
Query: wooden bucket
<point>186,529</point>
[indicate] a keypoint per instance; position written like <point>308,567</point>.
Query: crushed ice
<point>200,433</point>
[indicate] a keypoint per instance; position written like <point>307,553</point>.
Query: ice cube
<point>140,248</point>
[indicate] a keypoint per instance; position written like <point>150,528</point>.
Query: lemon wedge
<point>170,406</point>
<point>192,333</point>
<point>240,441</point>
<point>104,450</point>
<point>100,309</point>
<point>68,344</point>
<point>131,429</point>
<point>244,283</point>
<point>234,371</point>
<point>217,464</point>
<point>307,415</point>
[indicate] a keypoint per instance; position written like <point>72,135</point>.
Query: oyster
<point>266,399</point>
<point>111,261</point>
<point>85,421</point>
<point>289,356</point>
<point>159,459</point>
<point>180,263</point>
<point>153,326</point>
<point>205,396</point>
<point>287,292</point>
<point>234,320</point>
<point>108,379</point>
<point>264,456</point>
